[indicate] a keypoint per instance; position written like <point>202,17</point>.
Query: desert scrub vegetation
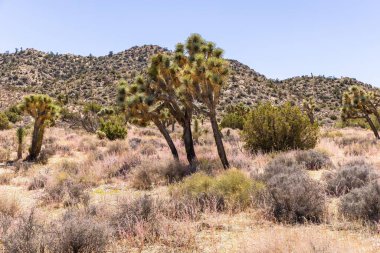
<point>273,128</point>
<point>352,175</point>
<point>230,190</point>
<point>292,196</point>
<point>113,128</point>
<point>235,116</point>
<point>313,159</point>
<point>4,122</point>
<point>362,204</point>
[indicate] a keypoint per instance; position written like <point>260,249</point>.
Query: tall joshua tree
<point>165,82</point>
<point>139,103</point>
<point>206,72</point>
<point>44,111</point>
<point>359,104</point>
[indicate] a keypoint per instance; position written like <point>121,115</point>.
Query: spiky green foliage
<point>360,104</point>
<point>44,111</point>
<point>141,106</point>
<point>205,72</point>
<point>271,128</point>
<point>20,134</point>
<point>167,89</point>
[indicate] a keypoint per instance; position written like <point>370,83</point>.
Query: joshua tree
<point>206,72</point>
<point>168,90</point>
<point>20,133</point>
<point>309,107</point>
<point>359,104</point>
<point>44,111</point>
<point>139,104</point>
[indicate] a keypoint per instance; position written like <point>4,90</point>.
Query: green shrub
<point>4,122</point>
<point>235,116</point>
<point>232,189</point>
<point>232,120</point>
<point>272,128</point>
<point>113,128</point>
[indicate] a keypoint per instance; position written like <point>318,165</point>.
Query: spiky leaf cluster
<point>41,107</point>
<point>357,103</point>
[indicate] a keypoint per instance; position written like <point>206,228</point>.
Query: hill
<point>89,78</point>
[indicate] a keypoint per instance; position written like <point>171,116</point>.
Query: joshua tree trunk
<point>219,141</point>
<point>189,144</point>
<point>168,139</point>
<point>38,132</point>
<point>311,117</point>
<point>19,151</point>
<point>173,126</point>
<point>373,127</point>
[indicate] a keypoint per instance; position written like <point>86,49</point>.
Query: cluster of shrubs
<point>74,232</point>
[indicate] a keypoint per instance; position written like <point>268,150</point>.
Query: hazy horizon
<point>279,39</point>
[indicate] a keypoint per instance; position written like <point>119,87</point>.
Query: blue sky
<point>279,39</point>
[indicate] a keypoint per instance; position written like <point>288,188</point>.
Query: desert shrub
<point>292,196</point>
<point>25,235</point>
<point>45,155</point>
<point>209,165</point>
<point>76,232</point>
<point>13,114</point>
<point>235,187</point>
<point>354,174</point>
<point>4,122</point>
<point>37,182</point>
<point>362,203</point>
<point>313,160</point>
<point>271,128</point>
<point>5,178</point>
<point>172,171</point>
<point>9,204</point>
<point>230,189</point>
<point>136,215</point>
<point>141,180</point>
<point>282,164</point>
<point>4,154</point>
<point>113,128</point>
<point>235,116</point>
<point>232,120</point>
<point>117,147</point>
<point>66,190</point>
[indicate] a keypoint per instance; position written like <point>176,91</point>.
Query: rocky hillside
<point>95,78</point>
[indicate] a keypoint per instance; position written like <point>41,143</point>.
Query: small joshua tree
<point>360,104</point>
<point>44,111</point>
<point>308,106</point>
<point>20,133</point>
